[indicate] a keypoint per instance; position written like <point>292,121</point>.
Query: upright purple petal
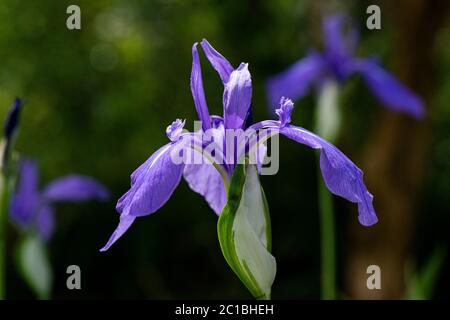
<point>206,180</point>
<point>25,200</point>
<point>219,63</point>
<point>333,36</point>
<point>45,222</point>
<point>197,90</point>
<point>296,81</point>
<point>75,188</point>
<point>389,90</point>
<point>340,44</point>
<point>237,97</point>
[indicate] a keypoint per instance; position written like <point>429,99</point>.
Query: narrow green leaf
<point>34,265</point>
<point>422,284</point>
<point>245,234</point>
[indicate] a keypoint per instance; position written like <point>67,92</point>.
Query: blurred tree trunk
<point>396,154</point>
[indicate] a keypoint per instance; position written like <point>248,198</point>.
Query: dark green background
<point>98,101</point>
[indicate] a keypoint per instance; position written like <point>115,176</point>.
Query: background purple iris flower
<point>154,181</point>
<point>30,208</point>
<point>338,61</point>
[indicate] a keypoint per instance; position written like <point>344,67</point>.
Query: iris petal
<point>45,222</point>
<point>152,184</point>
<point>219,63</point>
<point>207,181</point>
<point>125,223</point>
<point>237,97</point>
<point>389,90</point>
<point>197,90</point>
<point>296,81</point>
<point>75,188</point>
<point>26,198</point>
<point>342,177</point>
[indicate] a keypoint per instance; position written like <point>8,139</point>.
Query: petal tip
<point>368,219</point>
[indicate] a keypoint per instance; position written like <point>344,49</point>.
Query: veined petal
<point>75,188</point>
<point>26,198</point>
<point>197,90</point>
<point>206,180</point>
<point>219,63</point>
<point>152,184</point>
<point>342,177</point>
<point>237,97</point>
<point>389,90</point>
<point>201,176</point>
<point>296,81</point>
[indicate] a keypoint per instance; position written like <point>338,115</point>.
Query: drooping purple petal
<point>296,81</point>
<point>75,188</point>
<point>237,97</point>
<point>124,224</point>
<point>197,90</point>
<point>153,183</point>
<point>45,222</point>
<point>219,63</point>
<point>12,119</point>
<point>25,200</point>
<point>342,177</point>
<point>206,180</point>
<point>389,90</point>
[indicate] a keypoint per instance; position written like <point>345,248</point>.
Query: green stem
<point>327,125</point>
<point>327,245</point>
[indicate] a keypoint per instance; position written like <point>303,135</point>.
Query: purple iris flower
<point>31,208</point>
<point>338,61</point>
<point>154,181</point>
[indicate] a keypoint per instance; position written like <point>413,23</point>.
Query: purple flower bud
<point>174,130</point>
<point>12,119</point>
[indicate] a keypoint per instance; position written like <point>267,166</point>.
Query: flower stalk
<point>327,125</point>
